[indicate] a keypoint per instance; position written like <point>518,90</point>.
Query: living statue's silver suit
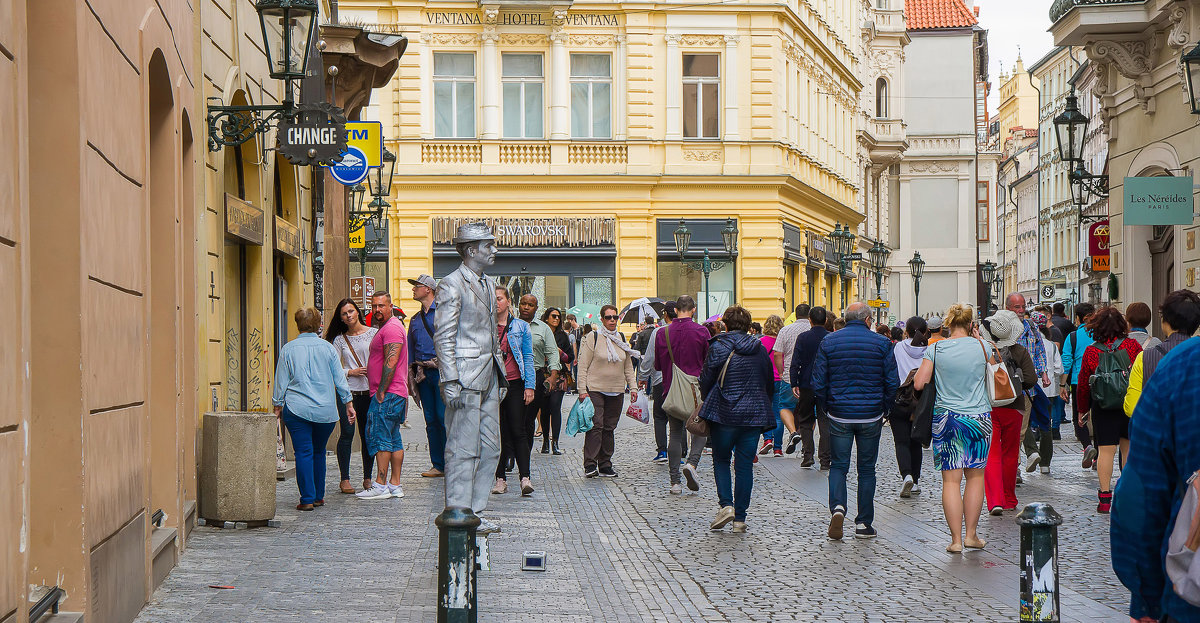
<point>471,369</point>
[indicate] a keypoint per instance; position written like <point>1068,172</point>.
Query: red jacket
<point>1091,359</point>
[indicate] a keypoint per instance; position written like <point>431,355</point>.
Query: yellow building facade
<point>1018,102</point>
<point>586,131</point>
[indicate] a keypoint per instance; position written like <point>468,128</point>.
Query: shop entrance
<point>556,281</point>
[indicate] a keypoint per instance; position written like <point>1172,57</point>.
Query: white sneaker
<point>1045,469</point>
<point>916,488</point>
<point>396,490</point>
<point>486,527</point>
<point>376,492</point>
<point>676,489</point>
<point>724,516</point>
<point>906,487</point>
<point>1032,463</point>
<point>689,472</point>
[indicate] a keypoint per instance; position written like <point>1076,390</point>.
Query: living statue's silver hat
<point>473,232</point>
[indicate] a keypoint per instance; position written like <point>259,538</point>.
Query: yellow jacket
<point>1135,386</point>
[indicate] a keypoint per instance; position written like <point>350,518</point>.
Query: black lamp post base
<point>457,552</point>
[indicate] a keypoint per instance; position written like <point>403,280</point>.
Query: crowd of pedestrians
<point>977,391</point>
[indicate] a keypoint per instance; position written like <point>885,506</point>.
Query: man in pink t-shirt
<point>387,374</point>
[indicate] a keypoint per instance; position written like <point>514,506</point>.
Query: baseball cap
<point>934,323</point>
<point>424,280</point>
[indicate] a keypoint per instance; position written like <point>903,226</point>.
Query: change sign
<point>1158,201</point>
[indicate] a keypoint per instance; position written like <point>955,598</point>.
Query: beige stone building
<point>602,124</point>
<point>1135,51</point>
<point>147,280</point>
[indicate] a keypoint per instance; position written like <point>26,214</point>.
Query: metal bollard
<point>456,565</point>
<point>1039,562</point>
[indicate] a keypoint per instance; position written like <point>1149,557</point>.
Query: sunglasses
<point>610,317</point>
<point>554,315</point>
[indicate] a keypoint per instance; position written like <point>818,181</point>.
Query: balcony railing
<point>1061,7</point>
<point>887,129</point>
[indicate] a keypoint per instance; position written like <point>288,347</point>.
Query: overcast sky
<point>1013,25</point>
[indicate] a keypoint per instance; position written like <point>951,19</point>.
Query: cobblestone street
<point>624,549</point>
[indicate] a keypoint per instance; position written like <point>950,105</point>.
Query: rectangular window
<point>591,96</point>
<point>981,209</point>
<point>521,78</point>
<point>453,95</point>
<point>701,102</point>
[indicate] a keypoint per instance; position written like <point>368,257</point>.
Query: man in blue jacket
<point>854,380</point>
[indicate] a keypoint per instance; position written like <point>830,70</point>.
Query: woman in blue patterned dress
<point>962,421</point>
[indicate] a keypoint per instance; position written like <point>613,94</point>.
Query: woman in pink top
<point>784,421</point>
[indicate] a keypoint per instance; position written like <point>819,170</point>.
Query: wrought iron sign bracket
<point>1094,184</point>
<point>233,125</point>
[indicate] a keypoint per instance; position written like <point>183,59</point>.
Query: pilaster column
<point>560,79</point>
<point>620,108</point>
<point>674,89</point>
<point>489,75</point>
<point>731,88</point>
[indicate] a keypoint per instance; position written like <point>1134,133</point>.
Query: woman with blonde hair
<point>782,397</point>
<point>962,420</point>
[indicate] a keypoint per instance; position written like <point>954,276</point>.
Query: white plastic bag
<point>639,408</point>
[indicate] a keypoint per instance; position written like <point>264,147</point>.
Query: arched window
<point>881,99</point>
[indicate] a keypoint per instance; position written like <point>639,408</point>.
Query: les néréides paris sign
<point>1158,201</point>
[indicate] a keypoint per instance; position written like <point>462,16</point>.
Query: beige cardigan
<point>598,374</point>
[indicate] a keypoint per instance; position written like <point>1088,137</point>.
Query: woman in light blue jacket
<point>516,344</point>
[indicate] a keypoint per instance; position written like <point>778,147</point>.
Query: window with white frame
<point>453,95</point>
<point>591,96</point>
<point>701,95</point>
<point>524,104</point>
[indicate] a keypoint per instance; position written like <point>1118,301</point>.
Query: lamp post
<point>683,240</point>
<point>1191,63</point>
<point>987,270</point>
<point>879,255</point>
<point>843,242</point>
<point>288,27</point>
<point>916,267</point>
<point>379,183</point>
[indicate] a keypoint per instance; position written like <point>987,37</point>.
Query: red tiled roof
<point>931,14</point>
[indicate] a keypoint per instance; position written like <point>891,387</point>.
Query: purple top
<point>689,342</point>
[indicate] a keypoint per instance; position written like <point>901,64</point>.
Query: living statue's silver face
<point>484,253</point>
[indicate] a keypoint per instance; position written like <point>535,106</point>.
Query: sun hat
<point>1003,327</point>
<point>473,232</point>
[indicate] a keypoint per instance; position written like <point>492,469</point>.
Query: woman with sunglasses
<point>351,336</point>
<point>552,411</point>
<point>605,374</point>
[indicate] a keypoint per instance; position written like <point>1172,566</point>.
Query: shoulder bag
<point>922,414</point>
<point>697,425</point>
<point>999,385</point>
<point>683,397</point>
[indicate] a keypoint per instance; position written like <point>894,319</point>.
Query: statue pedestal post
<point>457,552</point>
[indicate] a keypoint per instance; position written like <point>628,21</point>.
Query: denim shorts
<point>383,424</point>
<point>784,398</point>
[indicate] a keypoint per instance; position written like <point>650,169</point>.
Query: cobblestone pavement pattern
<point>626,550</point>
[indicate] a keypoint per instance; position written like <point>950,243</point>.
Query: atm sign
<point>367,136</point>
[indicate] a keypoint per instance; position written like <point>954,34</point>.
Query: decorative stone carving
<point>698,155</point>
<point>451,38</point>
<point>595,41</point>
<point>523,39</point>
<point>489,35</point>
<point>702,40</point>
<point>490,14</point>
<point>1178,36</point>
<point>1131,58</point>
<point>933,166</point>
<point>671,39</point>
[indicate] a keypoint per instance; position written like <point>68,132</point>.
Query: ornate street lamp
<point>879,256</point>
<point>987,270</point>
<point>1070,128</point>
<point>916,267</point>
<point>380,178</point>
<point>1191,62</point>
<point>683,240</point>
<point>358,215</point>
<point>843,243</point>
<point>288,27</point>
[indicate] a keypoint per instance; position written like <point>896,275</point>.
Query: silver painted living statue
<point>472,372</point>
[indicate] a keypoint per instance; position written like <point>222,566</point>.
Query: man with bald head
<point>854,381</point>
<point>1031,339</point>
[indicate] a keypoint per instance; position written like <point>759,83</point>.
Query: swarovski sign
<point>534,232</point>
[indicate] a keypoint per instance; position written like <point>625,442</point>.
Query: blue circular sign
<point>353,167</point>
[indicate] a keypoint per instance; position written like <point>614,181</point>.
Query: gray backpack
<point>1183,567</point>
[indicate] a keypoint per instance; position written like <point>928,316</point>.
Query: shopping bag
<point>580,418</point>
<point>639,409</point>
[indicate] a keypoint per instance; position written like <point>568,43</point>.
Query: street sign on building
<point>367,136</point>
<point>852,257</point>
<point>358,238</point>
<point>353,167</point>
<point>1098,245</point>
<point>361,289</point>
<point>878,303</point>
<point>1047,292</point>
<point>316,135</point>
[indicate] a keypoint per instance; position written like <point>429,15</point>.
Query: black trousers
<point>808,415</point>
<point>514,440</point>
<point>346,436</point>
<point>534,409</point>
<point>660,420</point>
<point>908,452</point>
<point>552,415</point>
<point>1081,432</point>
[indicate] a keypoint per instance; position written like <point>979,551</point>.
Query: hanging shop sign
<point>361,289</point>
<point>287,237</point>
<point>352,168</point>
<point>358,238</point>
<point>244,221</point>
<point>1098,245</point>
<point>1158,201</point>
<point>534,232</point>
<point>363,149</point>
<point>315,136</point>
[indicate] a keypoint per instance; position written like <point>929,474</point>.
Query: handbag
<point>922,413</point>
<point>998,382</point>
<point>580,418</point>
<point>697,425</point>
<point>683,397</point>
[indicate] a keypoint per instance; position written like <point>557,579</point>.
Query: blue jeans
<point>308,444</point>
<point>842,437</point>
<point>435,418</point>
<point>1058,411</point>
<point>738,443</point>
<point>783,399</point>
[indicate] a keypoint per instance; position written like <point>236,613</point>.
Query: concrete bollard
<point>1039,562</point>
<point>456,565</point>
<point>237,467</point>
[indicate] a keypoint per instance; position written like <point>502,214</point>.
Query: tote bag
<point>683,397</point>
<point>999,385</point>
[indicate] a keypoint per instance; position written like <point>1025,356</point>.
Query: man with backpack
<point>1031,340</point>
<point>1164,455</point>
<point>1072,357</point>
